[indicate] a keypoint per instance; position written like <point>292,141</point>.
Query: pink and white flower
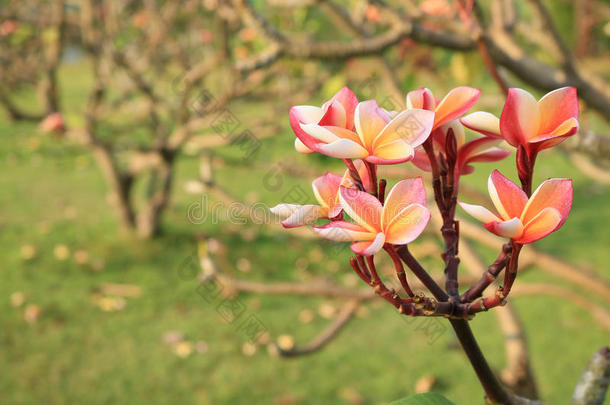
<point>325,190</point>
<point>369,133</point>
<point>521,219</point>
<point>535,125</point>
<point>399,221</point>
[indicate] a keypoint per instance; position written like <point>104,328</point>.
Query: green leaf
<point>429,398</point>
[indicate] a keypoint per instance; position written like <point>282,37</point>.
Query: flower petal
<point>507,197</point>
<point>395,152</point>
<point>407,225</point>
<point>369,248</point>
<point>520,117</point>
<point>305,114</point>
<point>555,193</point>
<point>369,121</point>
<point>284,210</point>
<point>548,220</point>
<point>421,161</point>
<point>512,228</point>
<point>479,212</point>
<point>557,107</point>
<point>477,146</point>
<point>455,104</point>
<point>349,102</point>
<point>343,149</point>
<point>413,126</point>
<point>403,194</point>
<point>421,98</point>
<point>490,155</point>
<point>320,133</point>
<point>335,115</point>
<point>567,128</point>
<point>362,207</point>
<point>364,174</point>
<point>300,146</point>
<point>343,231</point>
<point>304,215</point>
<point>458,132</point>
<point>483,122</point>
<point>326,189</point>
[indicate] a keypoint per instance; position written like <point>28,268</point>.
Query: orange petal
<point>555,193</point>
<point>326,189</point>
<point>557,107</point>
<point>395,152</point>
<point>412,126</point>
<point>421,98</point>
<point>343,231</point>
<point>407,225</point>
<point>507,197</point>
<point>361,207</point>
<point>455,104</point>
<point>369,248</point>
<point>520,117</point>
<point>328,134</point>
<point>342,149</point>
<point>403,194</point>
<point>547,221</point>
<point>369,121</point>
<point>567,128</point>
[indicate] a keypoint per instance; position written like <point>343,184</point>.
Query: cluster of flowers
<point>430,134</point>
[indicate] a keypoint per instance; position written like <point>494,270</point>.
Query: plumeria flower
<point>453,106</point>
<point>336,112</point>
<point>521,219</point>
<point>378,137</point>
<point>325,189</point>
<point>482,149</point>
<point>536,125</point>
<point>400,221</point>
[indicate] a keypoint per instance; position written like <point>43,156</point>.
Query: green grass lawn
<point>52,194</point>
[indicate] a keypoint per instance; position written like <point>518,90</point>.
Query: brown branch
<point>564,51</point>
<point>517,374</point>
<point>488,276</point>
<point>50,94</point>
<point>421,273</point>
<point>317,289</point>
<point>593,384</point>
<point>547,263</point>
<point>14,112</point>
<point>587,141</point>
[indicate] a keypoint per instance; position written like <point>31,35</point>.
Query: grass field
<point>53,205</point>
